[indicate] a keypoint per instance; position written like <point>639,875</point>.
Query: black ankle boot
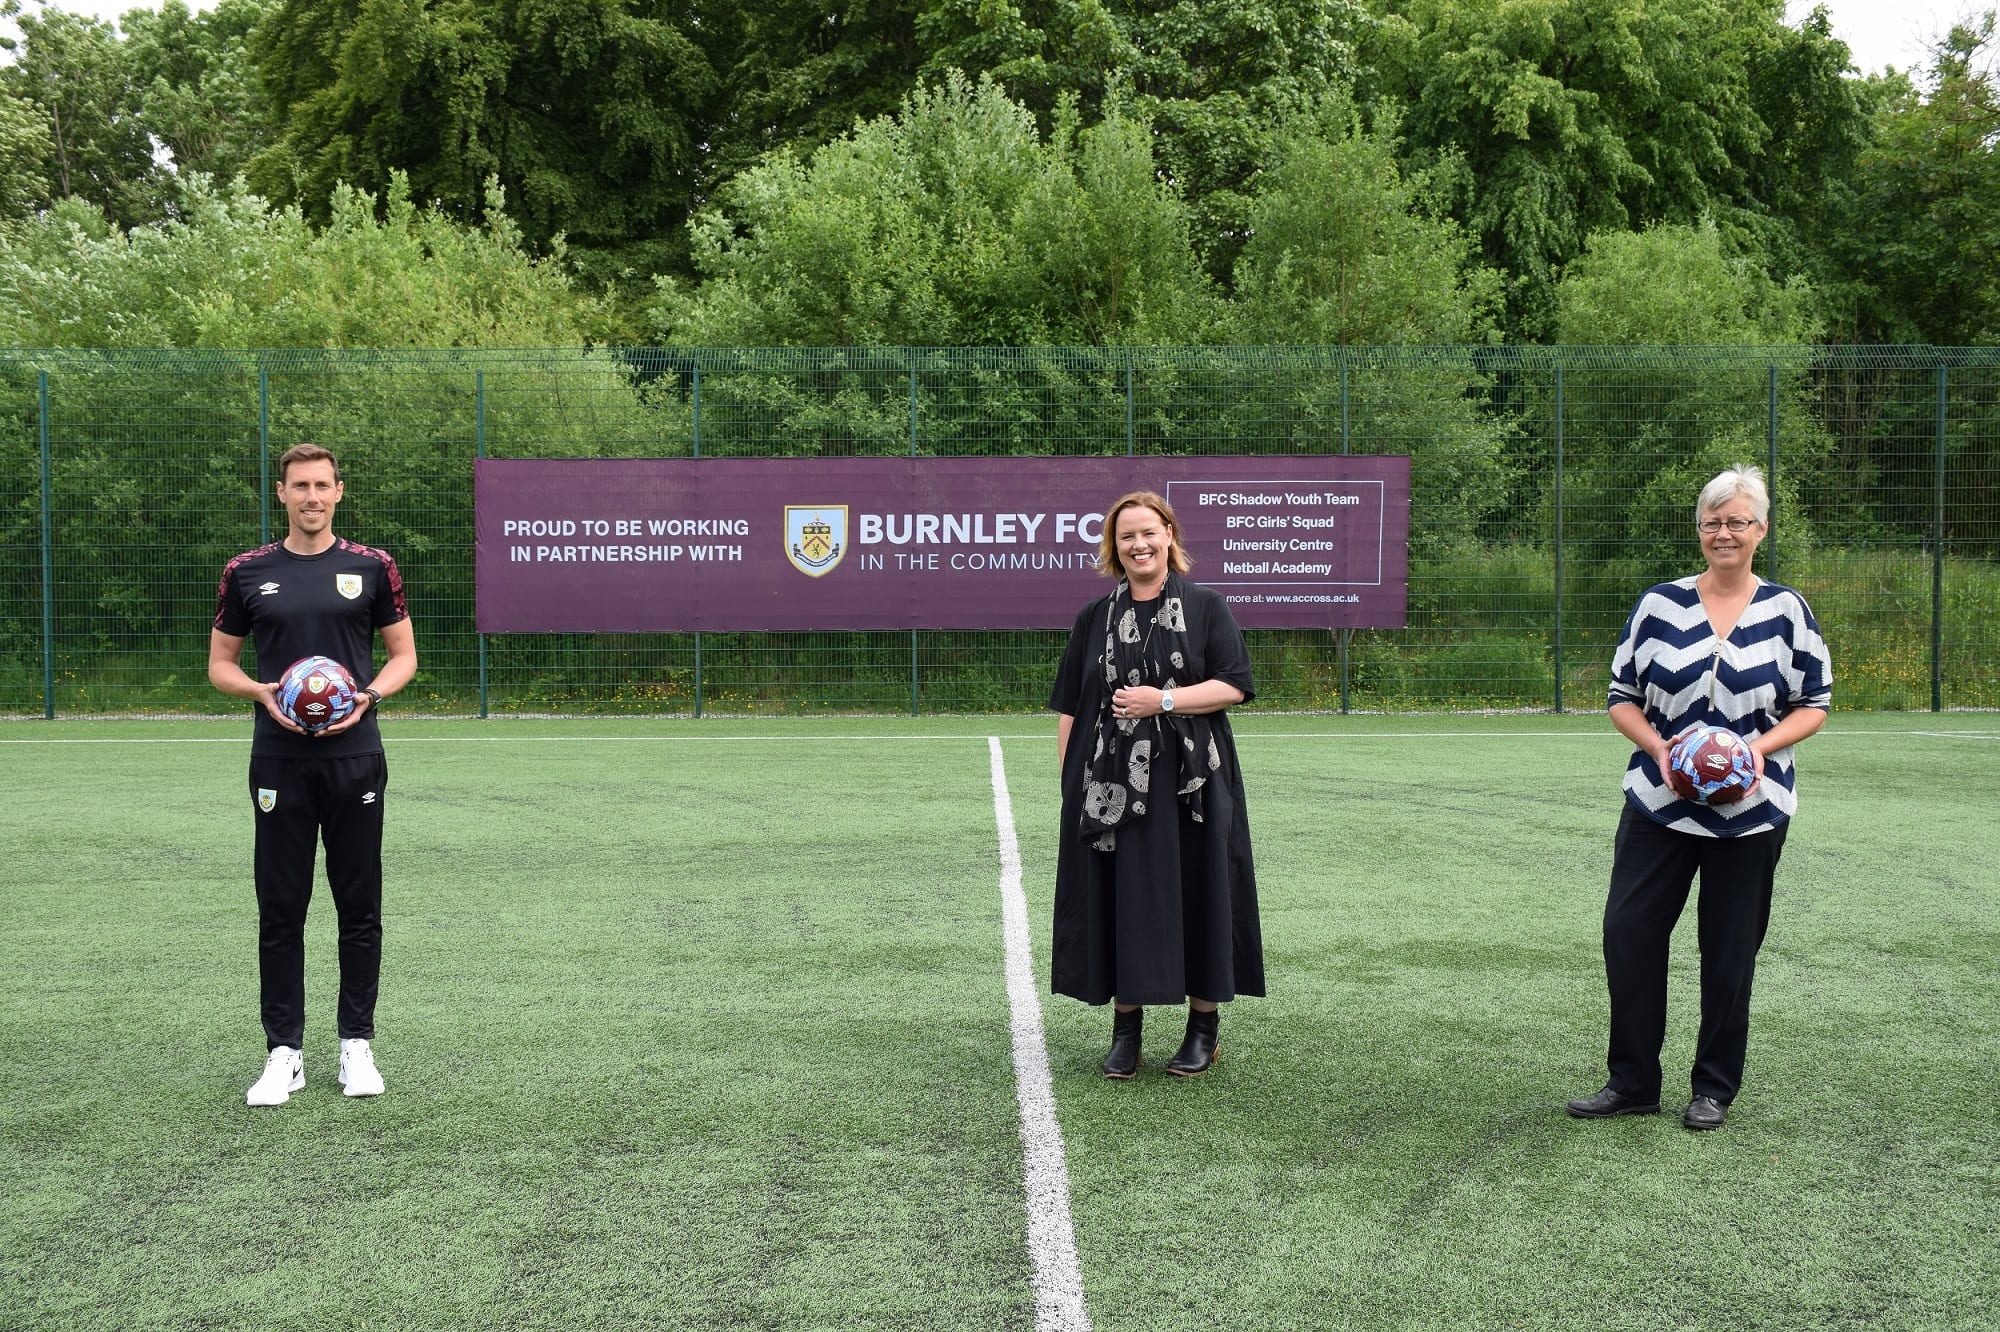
<point>1123,1061</point>
<point>1198,1048</point>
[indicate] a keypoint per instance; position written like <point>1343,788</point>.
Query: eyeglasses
<point>1737,526</point>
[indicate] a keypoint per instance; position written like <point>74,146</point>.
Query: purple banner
<point>722,544</point>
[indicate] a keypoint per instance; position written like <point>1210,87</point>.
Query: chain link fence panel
<point>1551,485</point>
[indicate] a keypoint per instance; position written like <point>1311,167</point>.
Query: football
<point>1711,765</point>
<point>316,692</point>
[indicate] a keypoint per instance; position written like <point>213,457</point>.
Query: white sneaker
<point>284,1073</point>
<point>357,1069</point>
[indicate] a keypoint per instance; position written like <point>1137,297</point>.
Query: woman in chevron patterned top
<point>1729,649</point>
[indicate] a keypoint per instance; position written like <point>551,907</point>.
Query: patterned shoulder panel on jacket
<point>229,571</point>
<point>389,571</point>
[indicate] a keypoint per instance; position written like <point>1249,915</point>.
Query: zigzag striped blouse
<point>1670,663</point>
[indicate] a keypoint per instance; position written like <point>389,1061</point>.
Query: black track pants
<point>297,803</point>
<point>1651,874</point>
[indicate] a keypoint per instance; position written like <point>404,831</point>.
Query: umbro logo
<point>368,798</point>
<point>268,588</point>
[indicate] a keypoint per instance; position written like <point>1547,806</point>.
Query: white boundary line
<point>1058,1278</point>
<point>1039,737</point>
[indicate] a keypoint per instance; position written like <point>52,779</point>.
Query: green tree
<point>591,113</point>
<point>1917,251</point>
<point>798,73</point>
<point>230,271</point>
<point>1581,116</point>
<point>24,149</point>
<point>954,223</point>
<point>1213,80</point>
<point>200,95</point>
<point>1643,431</point>
<point>1216,80</point>
<point>1344,248</point>
<point>1674,284</point>
<point>1818,121</point>
<point>74,71</point>
<point>1919,239</point>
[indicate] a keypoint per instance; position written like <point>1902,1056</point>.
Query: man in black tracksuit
<point>314,594</point>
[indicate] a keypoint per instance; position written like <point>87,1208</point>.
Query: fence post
<point>1129,441</point>
<point>1346,422</point>
<point>914,677</point>
<point>48,556</point>
<point>1559,537</point>
<point>1345,637</point>
<point>1771,473</point>
<point>263,456</point>
<point>1937,549</point>
<point>1341,638</point>
<point>697,453</point>
<point>479,451</point>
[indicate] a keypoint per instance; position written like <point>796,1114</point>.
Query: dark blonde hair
<point>1107,544</point>
<point>300,453</point>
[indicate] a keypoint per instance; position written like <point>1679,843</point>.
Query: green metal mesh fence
<point>1550,486</point>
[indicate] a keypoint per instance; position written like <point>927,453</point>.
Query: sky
<point>1879,32</point>
<point>1890,32</point>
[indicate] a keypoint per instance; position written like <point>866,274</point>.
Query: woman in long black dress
<point>1156,898</point>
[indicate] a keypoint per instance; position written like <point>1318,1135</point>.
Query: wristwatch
<point>1166,700</point>
<point>374,696</point>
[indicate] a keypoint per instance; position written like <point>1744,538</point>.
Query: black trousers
<point>1651,873</point>
<point>298,803</point>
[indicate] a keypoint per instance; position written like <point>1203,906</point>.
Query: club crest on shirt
<point>348,585</point>
<point>815,537</point>
<point>267,799</point>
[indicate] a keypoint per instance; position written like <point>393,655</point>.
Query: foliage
<point>955,222</point>
<point>25,148</point>
<point>1919,237</point>
<point>1818,120</point>
<point>95,146</point>
<point>1579,116</point>
<point>590,113</point>
<point>201,97</point>
<point>231,271</point>
<point>1639,448</point>
<point>1533,125</point>
<point>801,73</point>
<point>1214,81</point>
<point>1673,284</point>
<point>1345,249</point>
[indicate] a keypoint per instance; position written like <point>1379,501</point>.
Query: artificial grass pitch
<point>703,1025</point>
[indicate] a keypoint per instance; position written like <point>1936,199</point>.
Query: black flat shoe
<point>1123,1061</point>
<point>1608,1103</point>
<point>1705,1112</point>
<point>1199,1048</point>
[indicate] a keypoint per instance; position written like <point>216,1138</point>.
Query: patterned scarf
<point>1118,777</point>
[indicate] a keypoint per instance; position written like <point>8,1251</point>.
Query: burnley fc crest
<point>815,537</point>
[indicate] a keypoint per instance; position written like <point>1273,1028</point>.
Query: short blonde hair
<point>1107,544</point>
